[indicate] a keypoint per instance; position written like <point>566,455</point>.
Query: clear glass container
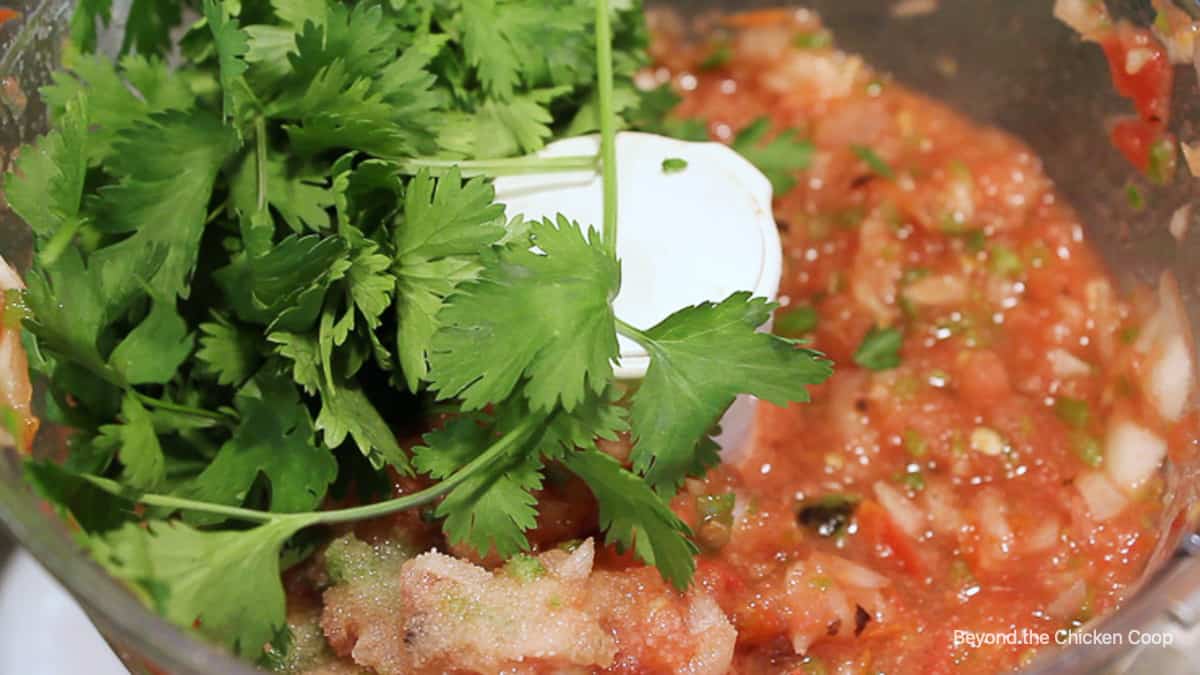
<point>1014,66</point>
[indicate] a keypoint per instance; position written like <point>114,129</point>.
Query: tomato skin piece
<point>1149,88</point>
<point>1133,138</point>
<point>877,528</point>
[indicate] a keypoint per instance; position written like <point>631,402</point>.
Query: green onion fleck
<point>1087,449</point>
<point>873,161</point>
<point>1133,194</point>
<point>913,480</point>
<point>717,58</point>
<point>914,443</point>
<point>1161,166</point>
<point>816,40</point>
<point>1005,262</point>
<point>1073,411</point>
<point>974,240</point>
<point>524,568</point>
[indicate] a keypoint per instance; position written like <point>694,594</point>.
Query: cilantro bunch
<point>259,268</point>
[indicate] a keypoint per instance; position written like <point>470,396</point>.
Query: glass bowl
<point>1004,62</point>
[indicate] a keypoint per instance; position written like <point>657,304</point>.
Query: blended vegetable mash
<point>985,458</point>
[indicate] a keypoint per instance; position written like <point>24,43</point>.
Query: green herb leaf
<point>154,350</point>
<point>134,441</point>
<point>701,357</point>
<point>45,187</point>
<point>634,517</point>
<point>223,584</point>
<point>275,439</point>
<point>491,510</point>
<point>880,349</point>
<point>496,330</point>
<point>231,45</point>
<point>873,161</point>
<point>779,158</point>
<point>446,224</point>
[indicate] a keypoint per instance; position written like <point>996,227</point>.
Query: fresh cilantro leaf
<point>301,198</point>
<point>298,12</point>
<point>223,584</point>
<point>488,49</point>
<point>492,509</point>
<point>446,223</point>
<point>167,168</point>
<point>68,311</point>
<point>84,20</point>
<point>778,158</point>
<point>345,410</point>
<point>154,350</point>
<point>634,517</point>
<point>231,45</point>
<point>506,42</point>
<point>227,353</point>
<point>113,102</point>
<point>544,316</point>
<point>136,444</point>
<point>45,187</point>
<point>701,357</point>
<point>520,125</point>
<point>77,499</point>
<point>148,26</point>
<point>275,438</point>
<point>371,283</point>
<point>880,349</point>
<point>290,281</point>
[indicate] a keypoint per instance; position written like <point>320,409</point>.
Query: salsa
<point>986,458</point>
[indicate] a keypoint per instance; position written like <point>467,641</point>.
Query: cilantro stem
<point>513,166</point>
<point>182,409</point>
<point>503,445</point>
<point>260,142</point>
<point>497,449</point>
<point>608,129</point>
<point>59,242</point>
<point>634,334</point>
<point>167,501</point>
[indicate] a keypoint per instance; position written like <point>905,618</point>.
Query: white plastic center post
<point>684,237</point>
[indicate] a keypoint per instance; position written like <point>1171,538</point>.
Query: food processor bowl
<point>1008,63</point>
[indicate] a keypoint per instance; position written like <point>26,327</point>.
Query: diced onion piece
<point>1181,219</point>
<point>851,573</point>
<point>9,279</point>
<point>1170,379</point>
<point>909,8</point>
<point>1136,59</point>
<point>1042,537</point>
<point>1068,603</point>
<point>937,291</point>
<point>1103,499</point>
<point>1175,28</point>
<point>992,518</point>
<point>1085,17</point>
<point>1066,364</point>
<point>904,513</point>
<point>987,441</point>
<point>1191,151</point>
<point>1132,454</point>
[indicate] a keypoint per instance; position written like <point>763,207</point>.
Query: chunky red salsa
<point>988,456</point>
